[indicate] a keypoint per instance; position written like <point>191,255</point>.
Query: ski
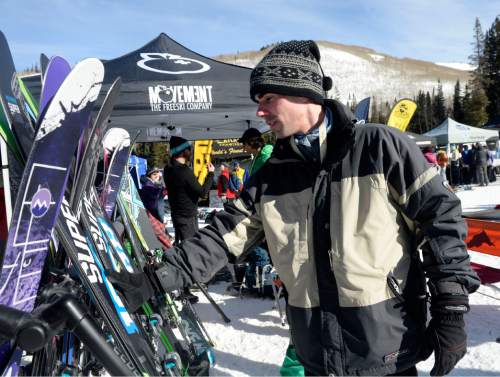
<point>31,103</point>
<point>14,112</point>
<point>43,184</point>
<point>13,124</point>
<point>57,70</point>
<point>44,62</point>
<point>114,172</point>
<point>86,171</point>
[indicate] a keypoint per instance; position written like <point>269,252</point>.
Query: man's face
<point>285,115</point>
<point>187,154</point>
<point>249,149</point>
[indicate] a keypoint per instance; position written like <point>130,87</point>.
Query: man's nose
<point>261,112</point>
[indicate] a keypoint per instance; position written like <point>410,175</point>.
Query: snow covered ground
<point>254,343</point>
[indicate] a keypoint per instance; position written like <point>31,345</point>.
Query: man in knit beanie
<point>184,192</point>
<point>342,208</point>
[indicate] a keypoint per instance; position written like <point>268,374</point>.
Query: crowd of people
<point>464,165</point>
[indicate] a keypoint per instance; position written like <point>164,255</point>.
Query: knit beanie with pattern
<point>292,69</point>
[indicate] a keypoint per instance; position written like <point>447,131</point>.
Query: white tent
<point>451,132</point>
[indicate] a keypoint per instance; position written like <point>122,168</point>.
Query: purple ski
<point>57,70</point>
<point>43,184</point>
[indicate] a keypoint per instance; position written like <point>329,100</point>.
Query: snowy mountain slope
<point>363,72</point>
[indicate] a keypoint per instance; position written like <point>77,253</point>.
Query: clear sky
<point>434,30</point>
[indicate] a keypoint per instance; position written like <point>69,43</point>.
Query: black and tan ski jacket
<point>343,237</point>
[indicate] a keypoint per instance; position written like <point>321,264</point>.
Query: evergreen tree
<point>477,56</point>
<point>438,106</point>
<point>158,154</point>
<point>384,113</point>
<point>457,111</point>
<point>466,99</point>
<point>491,68</point>
<point>418,122</point>
<point>428,113</point>
<point>475,111</point>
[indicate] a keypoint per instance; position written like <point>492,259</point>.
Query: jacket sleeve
<point>263,156</point>
<point>201,191</point>
<point>231,234</point>
<point>434,213</point>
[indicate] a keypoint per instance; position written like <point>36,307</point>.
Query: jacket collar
<point>339,139</point>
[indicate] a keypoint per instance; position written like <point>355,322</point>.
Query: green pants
<point>291,365</point>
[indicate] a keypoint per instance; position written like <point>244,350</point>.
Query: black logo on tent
<point>170,64</point>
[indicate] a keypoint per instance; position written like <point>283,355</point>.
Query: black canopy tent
<point>168,90</point>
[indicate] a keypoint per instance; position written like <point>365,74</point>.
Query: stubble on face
<point>287,115</point>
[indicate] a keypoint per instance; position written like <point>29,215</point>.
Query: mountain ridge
<point>359,72</point>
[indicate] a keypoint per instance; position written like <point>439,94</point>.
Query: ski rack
<point>59,310</point>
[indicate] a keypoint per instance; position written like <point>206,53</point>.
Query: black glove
<point>136,287</point>
<point>445,334</point>
<point>170,274</point>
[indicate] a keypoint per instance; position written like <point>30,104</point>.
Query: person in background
<point>223,191</point>
<point>481,164</point>
<point>151,192</point>
<point>240,172</point>
<point>343,209</point>
<point>464,150</point>
<point>429,155</point>
<point>490,169</point>
<point>254,143</point>
<point>184,192</point>
<point>455,163</point>
<point>235,182</point>
<point>472,164</point>
<point>442,161</point>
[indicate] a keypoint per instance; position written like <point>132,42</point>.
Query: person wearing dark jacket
<point>481,164</point>
<point>151,192</point>
<point>183,188</point>
<point>356,221</point>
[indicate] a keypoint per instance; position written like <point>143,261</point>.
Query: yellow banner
<point>401,114</point>
<point>202,157</point>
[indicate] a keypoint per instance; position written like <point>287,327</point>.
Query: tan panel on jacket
<point>369,241</point>
<point>247,232</point>
<point>287,224</point>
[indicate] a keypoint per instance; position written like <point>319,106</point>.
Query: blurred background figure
<point>430,155</point>
<point>152,191</point>
<point>223,191</point>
